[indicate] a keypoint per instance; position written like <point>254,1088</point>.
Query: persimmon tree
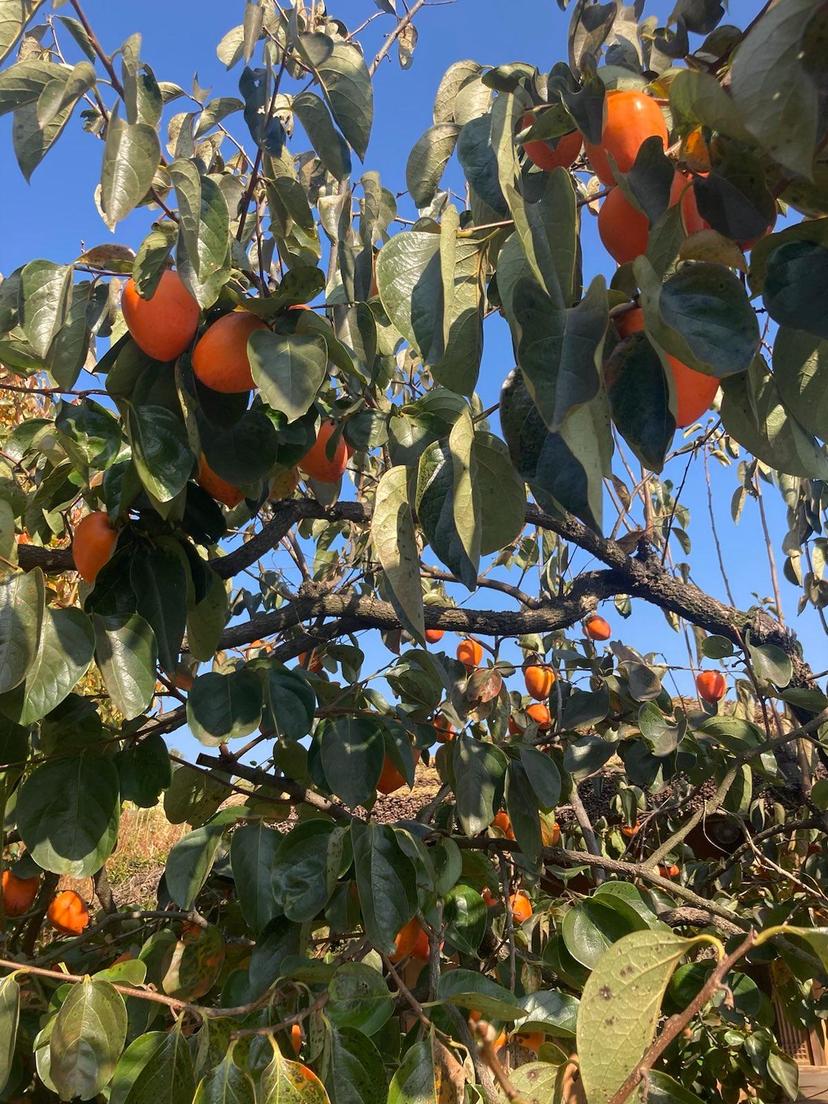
<point>242,447</point>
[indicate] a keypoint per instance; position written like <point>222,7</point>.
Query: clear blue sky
<point>55,215</point>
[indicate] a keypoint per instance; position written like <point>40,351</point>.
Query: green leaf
<point>64,652</point>
<point>466,504</point>
<point>701,315</point>
<point>664,1089</point>
<point>410,281</point>
<point>436,515</point>
<point>21,616</point>
<point>503,491</point>
<point>800,372</point>
<point>770,663</point>
<point>288,369</point>
<point>662,736</point>
<point>253,851</point>
<point>131,157</point>
<point>698,97</point>
<point>70,347</point>
<point>479,771</point>
<point>206,619</point>
<point>428,1072</point>
<point>465,916</point>
<point>395,544</point>
<point>427,161</point>
<point>309,862</point>
<point>551,1011</point>
<point>716,647</point>
<point>776,95</point>
<point>285,1082</point>
<point>159,582</point>
<point>754,414</point>
<point>468,989</point>
<point>352,751</point>
<point>226,1084</point>
<point>522,807</point>
<point>479,163</point>
<point>144,771</point>
<point>358,997</point>
<point>86,1039</point>
<point>290,703</point>
<point>204,220</point>
<point>64,92</point>
<point>9,1009</point>
<point>67,814</point>
<point>795,273</point>
<point>329,145</point>
<point>386,883</point>
<point>160,450</point>
<point>32,141</point>
<point>132,1061</point>
<point>126,654</point>
<point>620,1007</point>
<point>343,74</point>
<point>356,1074</point>
<point>190,861</point>
<point>639,397</point>
<point>14,15</point>
<point>166,1073</point>
<point>224,707</point>
<point>45,296</point>
<point>591,926</point>
<point>24,82</point>
<point>151,259</point>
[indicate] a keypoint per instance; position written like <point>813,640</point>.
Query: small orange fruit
<point>623,230</point>
<point>669,871</point>
<point>18,894</point>
<point>711,685</point>
<point>597,628</point>
<point>539,713</point>
<point>67,913</point>
<point>390,778</point>
<point>503,822</point>
<point>311,662</point>
<point>521,906</point>
<point>296,1038</point>
<point>412,939</point>
<point>558,153</point>
<point>443,729</point>
<point>93,544</point>
<point>539,681</point>
<point>433,636</point>
<point>550,831</point>
<point>470,653</point>
<point>533,1041</point>
<point>630,830</point>
<point>214,485</point>
<point>220,357</point>
<point>630,118</point>
<point>316,462</point>
<point>164,325</point>
<point>515,729</point>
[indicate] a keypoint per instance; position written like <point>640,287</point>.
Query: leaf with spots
<point>620,1007</point>
<point>285,1082</point>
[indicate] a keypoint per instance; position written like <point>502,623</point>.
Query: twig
<point>395,34</point>
<point>587,831</point>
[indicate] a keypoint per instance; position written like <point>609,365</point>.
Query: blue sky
<point>55,216</point>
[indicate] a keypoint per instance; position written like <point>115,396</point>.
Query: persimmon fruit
<point>711,685</point>
<point>630,118</point>
<point>559,153</point>
<point>550,831</point>
<point>521,906</point>
<point>695,391</point>
<point>539,713</point>
<point>470,653</point>
<point>623,230</point>
<point>391,778</point>
<point>434,636</point>
<point>220,357</point>
<point>311,661</point>
<point>93,543</point>
<point>539,681</point>
<point>164,325</point>
<point>669,870</point>
<point>597,628</point>
<point>411,940</point>
<point>67,913</point>
<point>503,822</point>
<point>215,486</point>
<point>444,731</point>
<point>296,1038</point>
<point>18,894</point>
<point>317,464</point>
<point>630,830</point>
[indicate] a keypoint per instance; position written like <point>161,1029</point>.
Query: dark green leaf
<point>427,161</point>
<point>45,296</point>
<point>224,707</point>
<point>21,616</point>
<point>160,450</point>
<point>159,582</point>
<point>64,652</point>
<point>288,369</point>
<point>343,74</point>
<point>253,851</point>
<point>796,273</point>
<point>126,654</point>
<point>358,997</point>
<point>86,1039</point>
<point>479,773</point>
<point>352,751</point>
<point>386,883</point>
<point>131,158</point>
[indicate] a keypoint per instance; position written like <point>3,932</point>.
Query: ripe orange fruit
<point>521,907</point>
<point>630,830</point>
<point>623,230</point>
<point>533,1041</point>
<point>711,685</point>
<point>18,894</point>
<point>296,1038</point>
<point>503,821</point>
<point>630,118</point>
<point>539,681</point>
<point>443,729</point>
<point>390,778</point>
<point>67,912</point>
<point>214,485</point>
<point>555,153</point>
<point>470,653</point>
<point>312,662</point>
<point>539,713</point>
<point>433,636</point>
<point>220,358</point>
<point>671,871</point>
<point>93,544</point>
<point>695,391</point>
<point>514,728</point>
<point>597,628</point>
<point>165,325</point>
<point>412,939</point>
<point>316,463</point>
<point>550,831</point>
